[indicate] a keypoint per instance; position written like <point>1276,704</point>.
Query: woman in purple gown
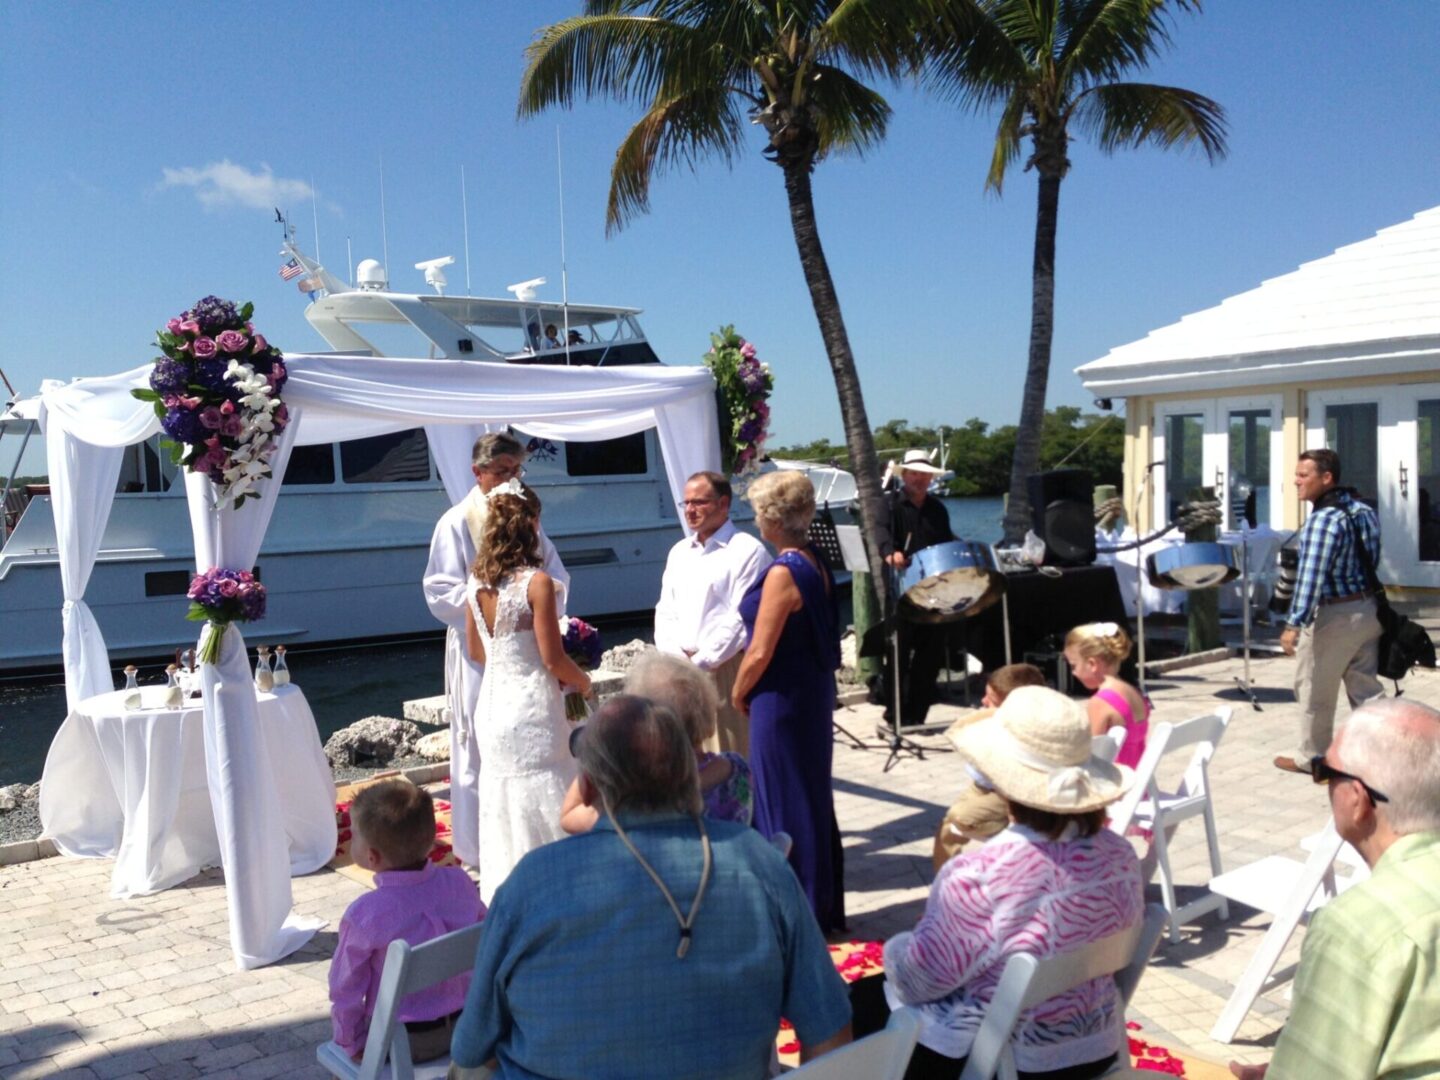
<point>786,684</point>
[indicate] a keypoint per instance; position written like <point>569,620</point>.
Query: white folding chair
<point>881,1056</point>
<point>1027,981</point>
<point>1147,807</point>
<point>1107,747</point>
<point>1289,890</point>
<point>407,969</point>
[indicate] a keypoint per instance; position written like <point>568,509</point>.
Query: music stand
<point>841,548</point>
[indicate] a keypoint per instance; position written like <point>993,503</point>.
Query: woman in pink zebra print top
<point>1054,880</point>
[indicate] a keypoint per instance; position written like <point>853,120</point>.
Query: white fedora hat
<point>1035,751</point>
<point>918,461</point>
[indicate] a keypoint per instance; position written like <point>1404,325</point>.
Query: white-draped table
<point>132,786</point>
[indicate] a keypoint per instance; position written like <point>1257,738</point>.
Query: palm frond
<point>675,131</point>
<point>1131,114</point>
<point>850,115</point>
<point>626,57</point>
<point>878,38</point>
<point>1107,38</point>
<point>1007,142</point>
<point>971,60</point>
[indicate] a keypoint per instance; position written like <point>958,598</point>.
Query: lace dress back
<point>523,736</point>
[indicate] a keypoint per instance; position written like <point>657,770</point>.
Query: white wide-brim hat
<point>1035,751</point>
<point>918,461</point>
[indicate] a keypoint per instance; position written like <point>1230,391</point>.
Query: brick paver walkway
<point>95,987</point>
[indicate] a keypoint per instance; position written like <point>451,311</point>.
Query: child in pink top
<point>1095,652</point>
<point>393,830</point>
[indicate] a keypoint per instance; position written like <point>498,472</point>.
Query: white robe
<point>452,550</point>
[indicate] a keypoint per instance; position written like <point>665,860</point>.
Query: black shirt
<point>913,528</point>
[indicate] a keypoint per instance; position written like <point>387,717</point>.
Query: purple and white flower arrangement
<point>216,391</point>
<point>742,391</point>
<point>581,642</point>
<point>220,597</point>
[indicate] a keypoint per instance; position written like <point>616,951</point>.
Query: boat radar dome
<point>370,275</point>
<point>525,290</point>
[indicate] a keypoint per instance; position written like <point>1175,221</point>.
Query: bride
<point>511,627</point>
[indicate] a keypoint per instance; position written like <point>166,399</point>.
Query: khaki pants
<point>974,815</point>
<point>1342,645</point>
<point>732,727</point>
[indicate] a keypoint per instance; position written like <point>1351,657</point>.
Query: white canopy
<point>89,422</point>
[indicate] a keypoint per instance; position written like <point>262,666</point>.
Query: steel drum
<point>1193,566</point>
<point>950,581</point>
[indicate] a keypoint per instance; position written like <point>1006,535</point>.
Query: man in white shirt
<point>496,458</point>
<point>698,614</point>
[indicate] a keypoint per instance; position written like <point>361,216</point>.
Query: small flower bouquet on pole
<point>582,644</point>
<point>217,394</point>
<point>220,597</point>
<point>742,390</point>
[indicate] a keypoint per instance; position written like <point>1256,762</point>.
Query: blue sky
<point>142,146</point>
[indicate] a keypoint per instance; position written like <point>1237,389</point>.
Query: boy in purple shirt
<point>393,830</point>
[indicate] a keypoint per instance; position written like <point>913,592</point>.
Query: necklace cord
<point>687,922</point>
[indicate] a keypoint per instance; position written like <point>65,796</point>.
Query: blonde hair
<point>679,686</point>
<point>784,500</point>
<point>1100,641</point>
<point>510,539</point>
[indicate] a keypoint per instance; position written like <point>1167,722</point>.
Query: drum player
<point>918,520</point>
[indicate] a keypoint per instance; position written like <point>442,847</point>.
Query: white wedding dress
<point>523,735</point>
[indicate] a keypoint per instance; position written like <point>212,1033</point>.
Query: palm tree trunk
<point>858,439</point>
<point>1037,371</point>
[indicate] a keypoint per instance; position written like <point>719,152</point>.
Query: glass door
<point>1253,472</point>
<point>1361,426</point>
<point>1187,454</point>
<point>1413,547</point>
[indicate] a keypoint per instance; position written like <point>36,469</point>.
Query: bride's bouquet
<point>582,644</point>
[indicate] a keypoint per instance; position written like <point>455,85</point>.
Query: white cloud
<point>223,183</point>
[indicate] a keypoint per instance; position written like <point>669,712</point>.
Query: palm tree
<point>1046,64</point>
<point>700,68</point>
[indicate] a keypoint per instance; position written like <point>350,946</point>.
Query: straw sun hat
<point>919,461</point>
<point>1035,751</point>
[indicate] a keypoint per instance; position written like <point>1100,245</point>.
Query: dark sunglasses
<point>1322,773</point>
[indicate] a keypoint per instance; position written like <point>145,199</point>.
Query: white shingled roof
<point>1370,308</point>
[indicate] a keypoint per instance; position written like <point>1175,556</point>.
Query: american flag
<point>291,269</point>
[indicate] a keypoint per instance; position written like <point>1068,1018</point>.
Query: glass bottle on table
<point>174,693</point>
<point>264,678</point>
<point>281,675</point>
<point>132,687</point>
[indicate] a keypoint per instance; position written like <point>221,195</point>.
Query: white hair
<point>681,687</point>
<point>1393,744</point>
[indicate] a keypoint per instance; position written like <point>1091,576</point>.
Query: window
<point>624,456</point>
<point>1184,443</point>
<point>398,458</point>
<point>311,465</point>
<point>1249,476</point>
<point>1352,432</point>
<point>1427,456</point>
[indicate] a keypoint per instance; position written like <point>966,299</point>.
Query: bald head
<point>1393,744</point>
<point>639,758</point>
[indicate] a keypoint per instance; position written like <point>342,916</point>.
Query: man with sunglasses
<point>1367,995</point>
<point>698,614</point>
<point>1333,630</point>
<point>496,458</point>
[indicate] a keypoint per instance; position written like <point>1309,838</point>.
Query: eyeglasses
<point>1322,772</point>
<point>504,472</point>
<point>686,504</point>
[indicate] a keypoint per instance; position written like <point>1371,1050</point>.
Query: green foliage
<point>980,456</point>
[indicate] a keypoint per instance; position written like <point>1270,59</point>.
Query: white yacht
<point>348,544</point>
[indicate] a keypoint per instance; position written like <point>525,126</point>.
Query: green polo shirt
<point>1367,995</point>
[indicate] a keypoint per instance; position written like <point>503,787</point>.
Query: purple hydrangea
<point>211,373</point>
<point>214,314</point>
<point>749,431</point>
<point>183,425</point>
<point>169,376</point>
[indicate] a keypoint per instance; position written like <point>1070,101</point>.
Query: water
<point>342,684</point>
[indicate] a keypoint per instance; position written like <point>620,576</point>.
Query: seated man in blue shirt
<point>660,944</point>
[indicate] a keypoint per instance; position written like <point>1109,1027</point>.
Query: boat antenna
<point>384,236</point>
<point>8,387</point>
<point>349,263</point>
<point>564,273</point>
<point>315,218</point>
<point>465,218</point>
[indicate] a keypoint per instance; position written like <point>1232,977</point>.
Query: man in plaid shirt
<point>1333,630</point>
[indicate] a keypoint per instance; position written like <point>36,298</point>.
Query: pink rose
<point>188,402</point>
<point>173,326</point>
<point>747,351</point>
<point>231,341</point>
<point>228,588</point>
<point>191,327</point>
<point>260,343</point>
<point>280,417</point>
<point>210,418</point>
<point>231,426</point>
<point>227,407</point>
<point>203,348</point>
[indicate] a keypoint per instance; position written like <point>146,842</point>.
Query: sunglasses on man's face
<point>1322,772</point>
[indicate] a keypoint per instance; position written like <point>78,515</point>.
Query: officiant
<point>496,458</point>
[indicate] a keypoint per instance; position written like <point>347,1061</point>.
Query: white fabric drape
<point>254,849</point>
<point>451,446</point>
